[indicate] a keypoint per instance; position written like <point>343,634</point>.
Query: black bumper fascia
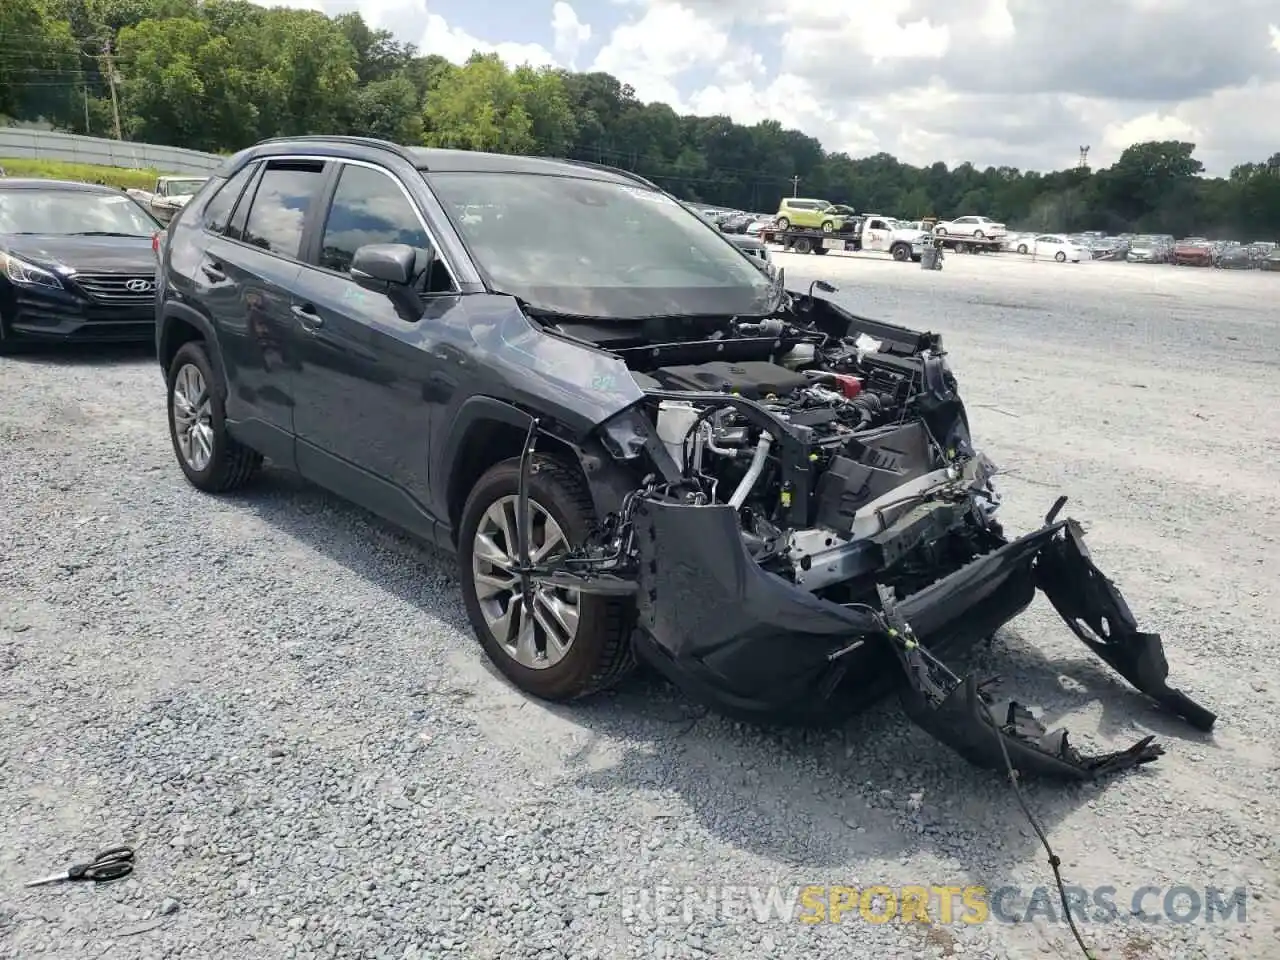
<point>62,316</point>
<point>751,643</point>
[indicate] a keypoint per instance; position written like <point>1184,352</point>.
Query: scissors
<point>111,864</point>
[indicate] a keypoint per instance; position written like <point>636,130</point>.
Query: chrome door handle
<point>307,316</point>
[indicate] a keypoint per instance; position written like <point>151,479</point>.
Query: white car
<point>1059,247</point>
<point>980,228</point>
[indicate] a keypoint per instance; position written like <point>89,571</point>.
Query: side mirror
<point>381,266</point>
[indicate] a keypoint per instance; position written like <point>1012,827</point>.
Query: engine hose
<point>753,472</point>
<point>869,407</point>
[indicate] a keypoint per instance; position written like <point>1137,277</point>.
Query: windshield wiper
<point>104,233</point>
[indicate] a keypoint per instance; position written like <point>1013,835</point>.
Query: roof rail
<point>354,141</point>
<point>619,170</point>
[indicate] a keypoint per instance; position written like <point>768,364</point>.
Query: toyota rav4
<point>635,438</point>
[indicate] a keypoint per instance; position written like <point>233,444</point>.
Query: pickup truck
<point>871,232</point>
<point>170,195</point>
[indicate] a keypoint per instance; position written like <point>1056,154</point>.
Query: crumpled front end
<point>811,526</point>
<point>752,644</point>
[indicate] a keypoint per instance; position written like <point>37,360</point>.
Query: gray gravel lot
<point>277,699</point>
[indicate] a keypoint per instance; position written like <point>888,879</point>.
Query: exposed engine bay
<point>811,525</point>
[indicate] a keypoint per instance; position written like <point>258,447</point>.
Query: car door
<point>366,383</point>
<point>1047,245</point>
<point>877,236</point>
<point>250,272</point>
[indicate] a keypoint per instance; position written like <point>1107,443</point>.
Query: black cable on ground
<point>1054,862</point>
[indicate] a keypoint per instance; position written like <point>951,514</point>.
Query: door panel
<point>248,291</point>
<point>365,394</point>
<point>251,273</point>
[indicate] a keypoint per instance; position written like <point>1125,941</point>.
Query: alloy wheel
<point>193,417</point>
<point>536,631</point>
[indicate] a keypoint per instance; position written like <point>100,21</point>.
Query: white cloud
<point>570,33</point>
<point>651,53</point>
<point>1148,126</point>
<point>998,82</point>
<point>457,45</point>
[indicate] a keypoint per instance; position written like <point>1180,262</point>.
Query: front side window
<point>280,205</point>
<point>73,213</point>
<point>600,249</point>
<point>368,207</point>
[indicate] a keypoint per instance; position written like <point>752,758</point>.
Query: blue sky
<point>1021,83</point>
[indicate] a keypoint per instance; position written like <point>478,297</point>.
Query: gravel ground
<point>277,699</point>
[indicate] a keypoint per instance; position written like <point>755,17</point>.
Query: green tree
<point>220,74</point>
<point>479,107</point>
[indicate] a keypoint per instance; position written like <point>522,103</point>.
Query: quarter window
<point>217,211</point>
<point>280,205</point>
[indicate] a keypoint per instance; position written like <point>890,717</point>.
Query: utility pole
<point>85,90</point>
<point>795,186</point>
<point>111,80</point>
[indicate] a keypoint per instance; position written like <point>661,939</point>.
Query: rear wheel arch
<point>180,325</point>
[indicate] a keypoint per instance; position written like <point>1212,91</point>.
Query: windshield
<point>73,212</point>
<point>599,249</point>
<point>184,187</point>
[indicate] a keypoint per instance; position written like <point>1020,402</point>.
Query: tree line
<point>218,75</point>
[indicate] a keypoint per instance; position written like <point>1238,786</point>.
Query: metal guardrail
<point>27,144</point>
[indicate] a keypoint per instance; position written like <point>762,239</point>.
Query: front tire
<point>828,226</point>
<point>211,459</point>
<point>1060,257</point>
<point>573,644</point>
<point>901,252</point>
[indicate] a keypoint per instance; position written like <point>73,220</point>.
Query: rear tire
<point>599,653</point>
<point>979,235</point>
<point>940,231</point>
<point>211,459</point>
<point>803,245</point>
<point>1022,249</point>
<point>821,251</point>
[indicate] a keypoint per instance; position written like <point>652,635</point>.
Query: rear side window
<point>217,211</point>
<point>278,214</point>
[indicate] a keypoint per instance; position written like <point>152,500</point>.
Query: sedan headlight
<point>28,274</point>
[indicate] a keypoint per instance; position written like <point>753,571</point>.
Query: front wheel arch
<point>487,431</point>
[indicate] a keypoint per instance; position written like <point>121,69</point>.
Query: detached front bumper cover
<point>749,642</point>
<point>989,733</point>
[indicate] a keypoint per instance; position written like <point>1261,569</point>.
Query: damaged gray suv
<point>638,441</point>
